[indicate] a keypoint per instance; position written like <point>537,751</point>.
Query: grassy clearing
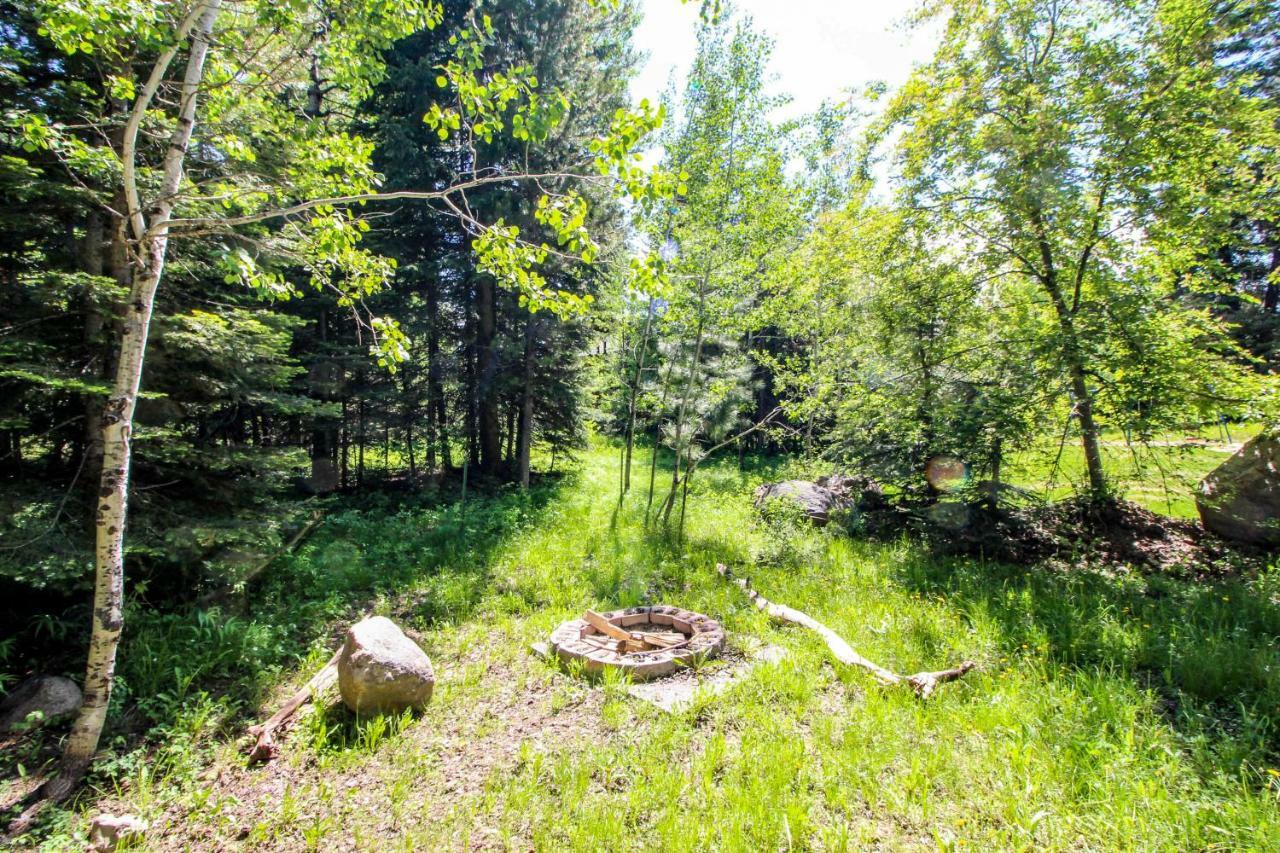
<point>1111,711</point>
<point>1160,474</point>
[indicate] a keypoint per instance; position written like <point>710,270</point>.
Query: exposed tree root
<point>923,683</point>
<point>65,783</point>
<point>265,748</point>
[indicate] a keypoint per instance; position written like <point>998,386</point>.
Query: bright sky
<point>822,48</point>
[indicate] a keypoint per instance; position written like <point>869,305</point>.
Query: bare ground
<point>432,775</point>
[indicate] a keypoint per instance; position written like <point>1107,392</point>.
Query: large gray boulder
<point>51,695</point>
<point>819,499</point>
<point>381,670</point>
<point>1240,499</point>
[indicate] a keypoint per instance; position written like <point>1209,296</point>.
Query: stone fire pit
<point>577,639</point>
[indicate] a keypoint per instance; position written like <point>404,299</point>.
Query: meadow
<point>1111,709</point>
<point>1159,473</point>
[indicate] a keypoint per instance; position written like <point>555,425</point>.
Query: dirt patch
<point>441,762</point>
<point>1115,533</point>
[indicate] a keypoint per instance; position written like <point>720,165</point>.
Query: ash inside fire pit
<point>647,642</point>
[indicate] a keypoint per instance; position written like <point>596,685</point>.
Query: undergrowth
<point>1111,710</point>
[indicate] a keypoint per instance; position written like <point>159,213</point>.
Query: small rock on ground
<point>107,832</point>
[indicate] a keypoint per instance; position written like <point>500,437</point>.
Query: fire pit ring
<point>579,640</point>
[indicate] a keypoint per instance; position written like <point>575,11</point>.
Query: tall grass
<point>1112,710</point>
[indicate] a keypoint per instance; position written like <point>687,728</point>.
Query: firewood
<point>663,641</point>
<point>604,626</point>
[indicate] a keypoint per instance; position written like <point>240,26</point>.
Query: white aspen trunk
<point>109,522</point>
<point>643,350</point>
<point>117,420</point>
<point>684,403</point>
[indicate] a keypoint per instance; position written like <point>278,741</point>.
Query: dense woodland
<point>263,264</point>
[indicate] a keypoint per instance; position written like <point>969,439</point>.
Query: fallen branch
<point>923,683</point>
<point>266,748</point>
<point>252,575</point>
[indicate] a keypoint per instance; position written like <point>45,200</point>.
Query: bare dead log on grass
<point>265,748</point>
<point>923,683</point>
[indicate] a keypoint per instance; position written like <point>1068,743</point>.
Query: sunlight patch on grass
<point>1161,474</point>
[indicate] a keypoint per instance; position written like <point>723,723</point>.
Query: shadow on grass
<point>1207,649</point>
<point>190,672</point>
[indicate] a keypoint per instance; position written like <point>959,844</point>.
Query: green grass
<point>1160,474</point>
<point>1111,711</point>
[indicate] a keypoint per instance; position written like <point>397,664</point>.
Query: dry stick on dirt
<point>923,683</point>
<point>265,748</point>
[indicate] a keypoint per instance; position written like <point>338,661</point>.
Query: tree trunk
<point>360,441</point>
<point>442,429</point>
<point>324,434</point>
<point>408,413</point>
<point>487,367</point>
<point>344,446</point>
<point>408,444</point>
<point>997,462</point>
<point>1088,431</point>
<point>11,451</point>
<point>117,419</point>
<point>1081,398</point>
<point>509,438</point>
<point>637,378</point>
<point>657,439</point>
<point>684,403</point>
<point>471,446</point>
<point>109,523</point>
<point>1271,296</point>
<point>435,433</point>
<point>525,439</point>
<point>93,263</point>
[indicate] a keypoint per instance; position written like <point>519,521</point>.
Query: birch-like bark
<point>683,409</point>
<point>117,419</point>
<point>657,438</point>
